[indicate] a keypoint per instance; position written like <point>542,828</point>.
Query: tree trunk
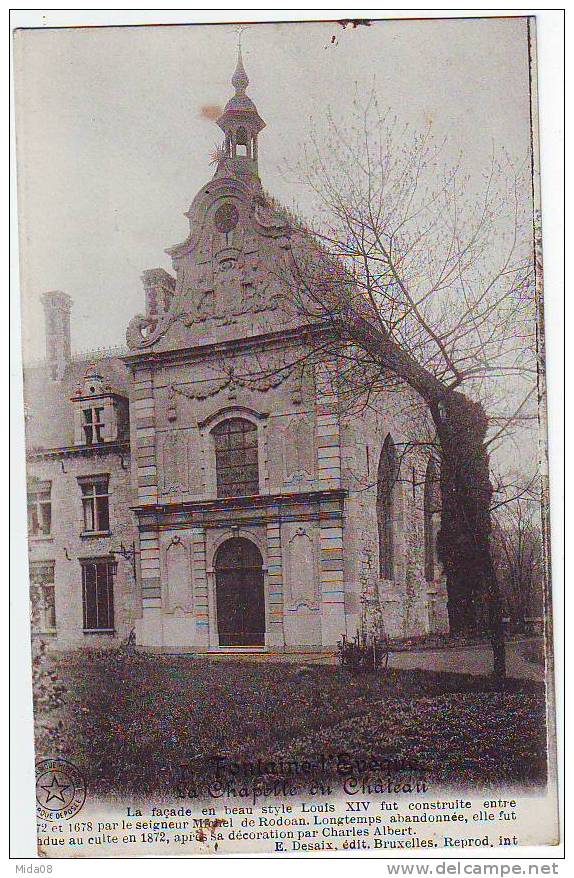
<point>497,629</point>
<point>463,544</point>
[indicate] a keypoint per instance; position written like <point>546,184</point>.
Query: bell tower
<point>241,124</point>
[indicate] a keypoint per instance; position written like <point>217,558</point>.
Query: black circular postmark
<point>60,789</point>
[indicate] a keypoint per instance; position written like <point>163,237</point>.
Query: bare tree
<point>518,555</point>
<point>425,277</point>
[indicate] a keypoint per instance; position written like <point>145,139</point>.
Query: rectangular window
<point>93,424</point>
<point>40,509</point>
<point>42,598</point>
<point>96,504</point>
<point>98,595</point>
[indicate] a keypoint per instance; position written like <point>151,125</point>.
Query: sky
<point>113,139</point>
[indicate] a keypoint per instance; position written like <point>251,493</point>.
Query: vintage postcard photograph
<point>285,425</point>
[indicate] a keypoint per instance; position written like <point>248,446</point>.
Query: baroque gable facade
<point>240,507</point>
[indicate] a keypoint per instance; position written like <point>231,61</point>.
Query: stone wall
<point>409,605</point>
<point>65,546</point>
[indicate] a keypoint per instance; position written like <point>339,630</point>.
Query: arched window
<point>431,519</point>
<point>386,482</point>
<point>236,459</point>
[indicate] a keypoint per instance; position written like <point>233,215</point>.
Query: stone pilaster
<point>274,636</point>
<point>328,444</point>
<point>143,423</point>
<point>200,589</point>
<point>332,581</point>
<point>328,436</point>
<point>149,627</point>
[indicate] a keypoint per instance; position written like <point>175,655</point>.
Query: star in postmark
<point>60,789</point>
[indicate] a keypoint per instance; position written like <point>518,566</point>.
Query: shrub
<point>364,653</point>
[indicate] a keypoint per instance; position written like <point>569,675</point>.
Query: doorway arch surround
<point>214,545</point>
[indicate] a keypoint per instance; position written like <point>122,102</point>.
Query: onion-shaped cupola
<point>241,124</point>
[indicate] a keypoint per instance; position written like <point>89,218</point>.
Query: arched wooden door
<point>240,594</point>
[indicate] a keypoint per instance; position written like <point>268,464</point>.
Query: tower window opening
<point>243,143</point>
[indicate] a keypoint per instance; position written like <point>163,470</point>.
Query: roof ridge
<point>79,356</point>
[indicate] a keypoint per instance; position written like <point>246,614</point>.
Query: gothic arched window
<point>431,518</point>
<point>386,482</point>
<point>236,458</point>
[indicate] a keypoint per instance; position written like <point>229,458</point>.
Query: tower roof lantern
<point>240,109</point>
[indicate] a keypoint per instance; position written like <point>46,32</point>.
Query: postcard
<point>284,394</point>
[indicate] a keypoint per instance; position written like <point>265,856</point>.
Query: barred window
<point>40,509</point>
<point>42,597</point>
<point>98,595</point>
<point>96,504</point>
<point>93,424</point>
<point>236,458</point>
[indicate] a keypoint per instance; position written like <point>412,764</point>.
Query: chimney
<point>57,307</point>
<point>159,288</point>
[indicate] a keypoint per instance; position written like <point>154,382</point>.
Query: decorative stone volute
<point>159,289</point>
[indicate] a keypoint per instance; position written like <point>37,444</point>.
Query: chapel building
<point>203,487</point>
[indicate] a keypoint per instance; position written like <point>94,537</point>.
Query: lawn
<point>533,651</point>
<point>130,722</point>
